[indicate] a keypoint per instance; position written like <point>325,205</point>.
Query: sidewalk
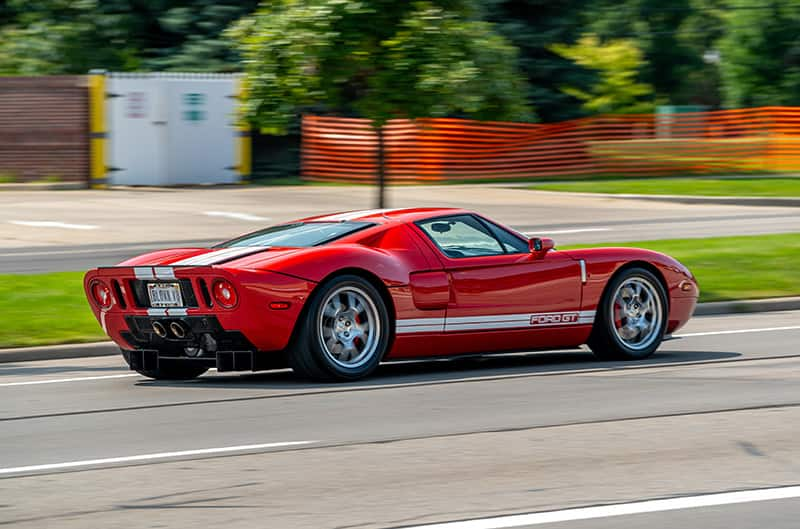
<point>57,352</point>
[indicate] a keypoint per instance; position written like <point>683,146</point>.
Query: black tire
<point>606,341</point>
<point>310,357</point>
<point>174,371</point>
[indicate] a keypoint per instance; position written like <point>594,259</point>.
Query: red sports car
<point>333,296</point>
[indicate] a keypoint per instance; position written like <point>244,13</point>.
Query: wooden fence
<point>756,140</point>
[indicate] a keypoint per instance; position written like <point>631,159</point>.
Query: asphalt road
<point>86,443</point>
<point>76,230</point>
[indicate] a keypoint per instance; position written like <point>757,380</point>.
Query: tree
<point>672,36</point>
<point>379,59</point>
<point>74,36</point>
<point>617,63</point>
<point>533,26</point>
<point>760,54</point>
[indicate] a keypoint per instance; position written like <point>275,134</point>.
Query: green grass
<point>745,187</point>
<point>45,309</point>
<point>729,268</point>
<point>51,308</point>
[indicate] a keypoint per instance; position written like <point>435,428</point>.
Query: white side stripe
<point>501,321</point>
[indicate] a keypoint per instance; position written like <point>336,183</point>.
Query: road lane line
<point>52,224</point>
<point>545,231</point>
<point>738,331</point>
<point>59,380</point>
<point>151,457</point>
<point>620,509</point>
<point>237,216</point>
<point>490,377</point>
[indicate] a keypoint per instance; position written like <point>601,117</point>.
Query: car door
<point>498,286</point>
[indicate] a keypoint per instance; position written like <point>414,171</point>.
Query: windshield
<point>298,234</point>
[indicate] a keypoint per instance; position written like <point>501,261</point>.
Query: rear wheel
<point>631,318</point>
<point>345,332</point>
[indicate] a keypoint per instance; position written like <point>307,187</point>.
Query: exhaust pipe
<point>159,329</point>
<point>178,330</point>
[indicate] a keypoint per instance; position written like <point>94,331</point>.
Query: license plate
<point>165,294</point>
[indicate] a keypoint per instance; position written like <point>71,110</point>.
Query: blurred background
<point>495,90</point>
<point>127,126</point>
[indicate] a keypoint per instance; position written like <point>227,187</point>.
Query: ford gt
<point>333,296</point>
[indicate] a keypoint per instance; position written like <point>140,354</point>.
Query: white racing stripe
<point>546,232</point>
<point>60,380</point>
<point>737,331</point>
<point>150,457</point>
<point>620,509</point>
<point>353,215</point>
<point>237,216</point>
<point>52,224</point>
<point>219,256</point>
<point>501,321</point>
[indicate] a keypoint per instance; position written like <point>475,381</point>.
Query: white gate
<point>172,129</point>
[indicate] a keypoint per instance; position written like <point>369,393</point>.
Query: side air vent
<point>204,292</point>
<point>118,293</point>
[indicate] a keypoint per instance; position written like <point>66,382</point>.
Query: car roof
<point>385,216</point>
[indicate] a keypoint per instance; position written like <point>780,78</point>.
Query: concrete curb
<point>60,352</point>
<point>744,306</point>
<point>42,186</point>
<point>789,202</point>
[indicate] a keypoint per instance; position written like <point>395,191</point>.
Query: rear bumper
<point>205,341</point>
<point>149,359</point>
<point>263,320</point>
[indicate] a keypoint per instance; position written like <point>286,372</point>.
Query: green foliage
<point>379,59</point>
<point>760,54</point>
<point>61,36</point>
<point>618,63</point>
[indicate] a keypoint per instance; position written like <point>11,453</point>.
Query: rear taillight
<point>224,293</point>
<point>101,294</point>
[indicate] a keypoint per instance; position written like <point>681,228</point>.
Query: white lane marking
<point>620,509</point>
<point>73,379</point>
<point>234,215</point>
<point>437,328</point>
<point>53,224</point>
<point>60,380</point>
<point>737,331</point>
<point>546,232</point>
<point>104,250</point>
<point>151,457</point>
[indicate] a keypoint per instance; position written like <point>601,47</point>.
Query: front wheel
<point>345,332</point>
<point>631,318</point>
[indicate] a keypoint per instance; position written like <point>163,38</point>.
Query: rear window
<point>299,234</point>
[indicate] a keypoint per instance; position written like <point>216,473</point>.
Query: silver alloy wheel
<point>349,327</point>
<point>637,313</point>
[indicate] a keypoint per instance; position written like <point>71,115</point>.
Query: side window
<point>461,236</point>
<point>511,243</point>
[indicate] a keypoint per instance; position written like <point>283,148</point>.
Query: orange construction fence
<point>753,140</point>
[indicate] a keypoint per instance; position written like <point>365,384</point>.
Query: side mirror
<point>541,245</point>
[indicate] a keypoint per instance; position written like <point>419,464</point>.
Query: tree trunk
<point>381,169</point>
